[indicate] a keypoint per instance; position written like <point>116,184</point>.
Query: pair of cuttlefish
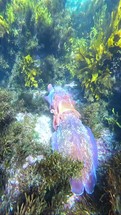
<point>73,139</point>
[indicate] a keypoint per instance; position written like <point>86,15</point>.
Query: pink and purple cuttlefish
<point>71,138</point>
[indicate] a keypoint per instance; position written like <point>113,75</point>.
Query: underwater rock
<point>43,130</point>
<point>30,160</point>
<point>105,145</point>
<point>41,135</point>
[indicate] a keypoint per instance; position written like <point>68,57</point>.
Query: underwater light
<point>72,5</point>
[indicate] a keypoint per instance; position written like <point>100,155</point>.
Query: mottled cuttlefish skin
<point>72,139</point>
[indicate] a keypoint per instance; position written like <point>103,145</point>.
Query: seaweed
<point>49,189</point>
<point>3,27</point>
<point>114,183</point>
<point>6,108</point>
<point>89,54</point>
<point>43,42</point>
<point>29,71</point>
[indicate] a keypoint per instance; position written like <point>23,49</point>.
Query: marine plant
<point>53,70</point>
<point>43,23</point>
<point>89,54</point>
<point>6,109</point>
<point>54,6</point>
<point>16,10</point>
<point>3,5</point>
<point>31,18</point>
<point>113,120</point>
<point>86,66</point>
<point>114,39</point>
<point>16,138</point>
<point>61,169</point>
<point>44,187</point>
<point>84,206</point>
<point>10,16</point>
<point>94,115</point>
<point>16,142</point>
<point>114,183</point>
<point>29,23</point>
<point>3,27</point>
<point>6,145</point>
<point>4,66</point>
<point>42,15</point>
<point>27,207</point>
<point>6,118</point>
<point>29,71</point>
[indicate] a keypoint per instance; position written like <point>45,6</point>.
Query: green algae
<point>87,55</point>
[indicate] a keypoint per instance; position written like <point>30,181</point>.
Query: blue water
<point>64,43</point>
<point>72,5</point>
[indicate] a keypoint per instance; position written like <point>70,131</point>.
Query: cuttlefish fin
<point>90,183</point>
<point>77,186</point>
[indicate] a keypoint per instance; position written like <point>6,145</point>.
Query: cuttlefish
<point>73,139</point>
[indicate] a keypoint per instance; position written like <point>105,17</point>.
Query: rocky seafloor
<point>18,176</point>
